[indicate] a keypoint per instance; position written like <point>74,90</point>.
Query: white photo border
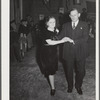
<point>5,68</point>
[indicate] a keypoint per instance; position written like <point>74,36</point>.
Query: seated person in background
<point>14,46</point>
<point>23,44</point>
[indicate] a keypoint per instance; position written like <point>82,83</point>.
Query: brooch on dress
<point>81,28</point>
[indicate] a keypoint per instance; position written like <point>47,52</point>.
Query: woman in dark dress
<point>48,51</point>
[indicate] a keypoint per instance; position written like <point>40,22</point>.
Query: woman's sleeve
<point>42,38</point>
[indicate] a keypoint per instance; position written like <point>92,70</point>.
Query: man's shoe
<point>52,92</point>
<point>69,90</point>
<point>79,91</point>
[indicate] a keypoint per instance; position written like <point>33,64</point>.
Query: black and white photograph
<point>52,50</point>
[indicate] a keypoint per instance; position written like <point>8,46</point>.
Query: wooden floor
<point>27,82</point>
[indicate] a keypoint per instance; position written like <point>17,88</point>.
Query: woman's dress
<point>48,55</point>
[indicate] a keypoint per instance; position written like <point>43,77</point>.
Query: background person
<point>83,16</point>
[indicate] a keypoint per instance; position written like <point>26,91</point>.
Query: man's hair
<point>74,9</point>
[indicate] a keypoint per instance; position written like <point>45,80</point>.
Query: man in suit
<point>74,54</point>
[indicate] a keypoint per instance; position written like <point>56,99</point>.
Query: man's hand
<point>67,39</point>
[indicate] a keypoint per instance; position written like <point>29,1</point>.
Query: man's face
<point>25,23</point>
<point>74,15</point>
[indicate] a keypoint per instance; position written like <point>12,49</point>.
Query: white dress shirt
<point>75,23</point>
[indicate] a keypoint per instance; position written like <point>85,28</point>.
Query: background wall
<point>38,7</point>
<point>11,10</point>
<point>83,4</point>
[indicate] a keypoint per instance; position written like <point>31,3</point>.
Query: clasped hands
<point>55,42</point>
<point>67,39</point>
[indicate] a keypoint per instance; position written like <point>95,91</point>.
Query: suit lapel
<point>78,25</point>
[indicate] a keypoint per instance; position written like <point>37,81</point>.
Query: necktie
<point>73,25</point>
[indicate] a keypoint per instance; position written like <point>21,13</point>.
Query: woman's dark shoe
<point>79,91</point>
<point>52,92</point>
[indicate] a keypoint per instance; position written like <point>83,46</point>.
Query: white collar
<point>50,29</point>
<point>75,23</point>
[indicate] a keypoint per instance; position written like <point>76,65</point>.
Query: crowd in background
<point>21,39</point>
<point>26,36</point>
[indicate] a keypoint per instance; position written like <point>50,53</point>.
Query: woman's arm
<point>55,42</point>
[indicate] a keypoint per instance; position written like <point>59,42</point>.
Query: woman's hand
<point>57,30</point>
<point>54,42</point>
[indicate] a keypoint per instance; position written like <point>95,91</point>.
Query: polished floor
<point>27,82</point>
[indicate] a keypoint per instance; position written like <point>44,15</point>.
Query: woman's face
<point>51,23</point>
<point>24,23</point>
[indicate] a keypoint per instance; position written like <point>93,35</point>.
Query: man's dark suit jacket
<point>79,50</point>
